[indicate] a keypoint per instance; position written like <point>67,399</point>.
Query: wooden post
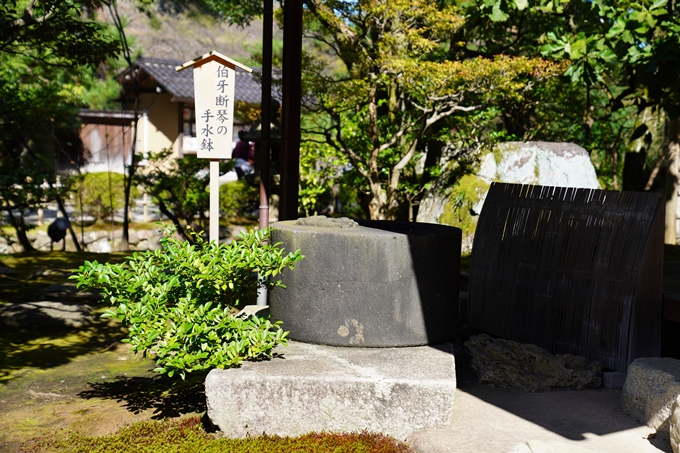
<point>214,200</point>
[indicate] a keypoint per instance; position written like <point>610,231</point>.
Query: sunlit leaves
<point>177,302</point>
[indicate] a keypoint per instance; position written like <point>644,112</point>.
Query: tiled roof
<point>181,84</point>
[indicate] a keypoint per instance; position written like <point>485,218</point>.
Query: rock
<point>236,231</point>
<point>145,234</point>
<point>308,387</point>
<point>252,310</point>
<point>46,314</point>
<point>321,221</point>
<point>651,388</point>
<point>527,367</point>
<point>539,446</point>
<point>8,272</point>
<point>100,246</point>
<point>48,273</point>
<point>541,163</point>
<point>674,425</point>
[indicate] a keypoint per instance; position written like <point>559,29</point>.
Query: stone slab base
<point>309,387</point>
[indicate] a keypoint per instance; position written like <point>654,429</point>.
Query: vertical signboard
<point>214,98</point>
<point>214,83</point>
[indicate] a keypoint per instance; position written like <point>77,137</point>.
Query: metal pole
<point>265,131</point>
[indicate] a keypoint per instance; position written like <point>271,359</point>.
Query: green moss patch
<point>465,195</point>
<point>187,436</point>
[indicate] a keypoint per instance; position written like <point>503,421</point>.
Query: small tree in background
<point>395,88</point>
<point>179,187</point>
<point>100,194</point>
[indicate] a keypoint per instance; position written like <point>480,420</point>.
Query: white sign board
<point>214,99</point>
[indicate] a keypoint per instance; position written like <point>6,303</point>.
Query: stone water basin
<point>372,284</point>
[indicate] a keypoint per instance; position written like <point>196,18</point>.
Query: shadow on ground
<point>167,397</point>
<point>22,349</point>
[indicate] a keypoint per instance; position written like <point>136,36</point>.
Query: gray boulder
<point>651,389</point>
<point>527,367</point>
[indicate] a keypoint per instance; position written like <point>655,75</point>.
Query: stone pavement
<point>489,420</point>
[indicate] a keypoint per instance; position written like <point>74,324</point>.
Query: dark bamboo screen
<point>574,271</point>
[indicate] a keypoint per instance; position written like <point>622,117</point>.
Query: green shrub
<point>238,198</point>
<point>100,194</point>
<point>178,302</point>
<point>188,436</point>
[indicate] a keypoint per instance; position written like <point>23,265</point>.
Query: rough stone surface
<point>527,367</point>
<point>381,284</point>
<point>315,388</point>
<point>324,222</point>
<point>46,314</point>
<point>674,425</point>
<point>539,446</point>
<point>651,388</point>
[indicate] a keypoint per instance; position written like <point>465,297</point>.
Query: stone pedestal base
<point>313,388</point>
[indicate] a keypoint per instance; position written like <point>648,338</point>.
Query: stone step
<point>308,387</point>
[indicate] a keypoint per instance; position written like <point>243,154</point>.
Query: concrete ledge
<point>651,388</point>
<point>313,388</point>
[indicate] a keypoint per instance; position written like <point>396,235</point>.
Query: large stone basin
<point>379,284</point>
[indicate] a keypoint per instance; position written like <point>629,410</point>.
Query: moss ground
<point>75,390</point>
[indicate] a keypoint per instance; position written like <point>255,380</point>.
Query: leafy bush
<point>178,302</point>
<point>188,436</point>
<point>238,198</point>
<point>100,194</point>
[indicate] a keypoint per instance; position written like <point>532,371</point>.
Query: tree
<point>394,90</point>
<point>179,186</point>
<point>624,55</point>
<point>54,31</point>
<point>41,45</point>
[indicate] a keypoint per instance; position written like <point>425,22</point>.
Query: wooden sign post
<point>214,81</point>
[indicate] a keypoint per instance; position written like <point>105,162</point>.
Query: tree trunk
<point>74,238</point>
<point>20,228</point>
<point>670,236</point>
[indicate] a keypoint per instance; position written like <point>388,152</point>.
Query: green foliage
<point>177,302</point>
<point>620,57</point>
<point>238,198</point>
<point>100,194</point>
<point>179,186</point>
<point>320,170</point>
<point>395,90</point>
<point>55,31</point>
<point>188,436</point>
